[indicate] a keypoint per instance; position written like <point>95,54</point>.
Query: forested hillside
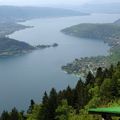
<point>101,90</point>
<point>107,32</point>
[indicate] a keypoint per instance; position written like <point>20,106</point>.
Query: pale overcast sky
<point>52,2</point>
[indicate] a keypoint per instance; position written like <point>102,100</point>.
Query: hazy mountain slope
<point>117,22</point>
<point>96,8</point>
<point>20,13</point>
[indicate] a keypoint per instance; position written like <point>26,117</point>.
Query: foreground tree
<point>64,111</point>
<point>5,116</point>
<point>32,103</point>
<point>80,96</point>
<point>14,114</point>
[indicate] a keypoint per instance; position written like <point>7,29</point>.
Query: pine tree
<point>32,103</point>
<point>90,79</point>
<point>69,96</point>
<point>52,104</point>
<point>111,70</point>
<point>45,99</point>
<point>99,73</point>
<point>80,95</point>
<point>14,114</point>
<point>99,76</point>
<point>49,105</point>
<point>45,111</point>
<point>5,116</point>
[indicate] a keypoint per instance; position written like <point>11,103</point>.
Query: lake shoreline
<point>41,69</point>
<point>85,65</point>
<point>19,27</point>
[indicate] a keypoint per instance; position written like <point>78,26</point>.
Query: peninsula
<point>108,32</point>
<point>10,47</point>
<point>11,15</point>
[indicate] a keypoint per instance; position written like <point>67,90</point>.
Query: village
<point>81,67</point>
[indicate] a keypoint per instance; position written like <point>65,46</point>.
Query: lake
<point>28,76</point>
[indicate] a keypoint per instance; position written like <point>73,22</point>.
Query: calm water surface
<point>27,77</point>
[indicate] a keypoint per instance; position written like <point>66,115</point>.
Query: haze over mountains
<point>21,13</point>
<point>9,15</point>
<point>95,8</point>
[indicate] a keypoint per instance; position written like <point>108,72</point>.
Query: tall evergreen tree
<point>80,95</point>
<point>5,116</point>
<point>99,76</point>
<point>49,105</point>
<point>14,114</point>
<point>69,95</point>
<point>52,104</point>
<point>99,73</point>
<point>32,103</point>
<point>90,79</point>
<point>45,104</point>
<point>111,70</point>
<point>45,99</point>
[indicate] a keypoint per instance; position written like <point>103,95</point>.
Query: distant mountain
<point>13,13</point>
<point>117,22</point>
<point>97,8</point>
<point>9,15</point>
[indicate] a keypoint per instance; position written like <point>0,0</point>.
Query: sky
<point>53,2</point>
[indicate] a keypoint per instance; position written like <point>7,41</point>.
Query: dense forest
<point>101,90</point>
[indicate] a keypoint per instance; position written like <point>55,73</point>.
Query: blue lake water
<point>28,76</point>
